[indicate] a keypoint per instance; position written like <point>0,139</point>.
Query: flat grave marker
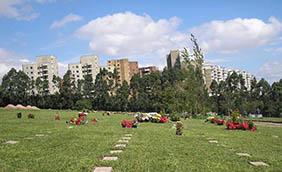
<point>103,169</point>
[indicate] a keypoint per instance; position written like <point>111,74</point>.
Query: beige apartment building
<point>126,69</point>
<point>174,59</point>
<point>147,70</point>
<point>45,67</point>
<point>89,65</point>
<point>218,73</point>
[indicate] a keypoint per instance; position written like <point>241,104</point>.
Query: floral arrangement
<point>30,116</point>
<point>57,117</point>
<point>94,121</point>
<point>244,125</point>
<point>81,120</point>
<point>19,115</point>
<point>151,117</point>
<point>179,128</point>
<point>129,123</point>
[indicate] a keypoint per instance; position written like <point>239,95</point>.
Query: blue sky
<point>236,34</point>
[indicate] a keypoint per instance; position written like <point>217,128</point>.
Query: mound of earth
<point>10,107</point>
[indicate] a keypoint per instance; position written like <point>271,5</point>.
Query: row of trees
<point>180,89</point>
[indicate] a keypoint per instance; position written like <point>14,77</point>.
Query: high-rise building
<point>217,73</point>
<point>125,69</point>
<point>89,65</point>
<point>147,70</point>
<point>174,59</point>
<point>45,67</point>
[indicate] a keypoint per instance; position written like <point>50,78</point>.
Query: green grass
<point>154,147</point>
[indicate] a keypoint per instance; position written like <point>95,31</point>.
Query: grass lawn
<point>154,147</point>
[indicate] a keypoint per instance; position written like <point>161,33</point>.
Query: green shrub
<point>83,104</point>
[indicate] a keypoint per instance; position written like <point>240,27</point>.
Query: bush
<point>83,104</point>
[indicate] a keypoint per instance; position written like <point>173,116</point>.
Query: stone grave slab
<point>213,141</point>
<point>128,135</point>
<point>123,141</point>
<point>39,135</point>
<point>258,163</point>
<point>116,151</point>
<point>110,158</point>
<point>11,142</point>
<point>126,138</point>
<point>103,169</point>
<point>120,146</point>
<point>243,154</point>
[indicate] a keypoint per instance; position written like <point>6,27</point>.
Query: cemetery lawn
<point>154,147</point>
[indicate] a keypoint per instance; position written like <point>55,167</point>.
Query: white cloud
<point>65,20</point>
<point>274,49</point>
<point>17,9</point>
<point>271,71</point>
<point>129,34</point>
<point>10,60</point>
<point>237,34</point>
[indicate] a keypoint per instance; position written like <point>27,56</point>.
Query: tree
<point>67,91</point>
<point>15,87</point>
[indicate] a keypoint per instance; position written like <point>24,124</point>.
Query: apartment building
<point>174,59</point>
<point>147,70</point>
<point>126,69</point>
<point>217,73</point>
<point>89,65</point>
<point>45,67</point>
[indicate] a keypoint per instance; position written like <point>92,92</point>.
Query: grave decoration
<point>236,122</point>
<point>81,120</point>
<point>19,115</point>
<point>179,128</point>
<point>151,117</point>
<point>30,116</point>
<point>57,117</point>
<point>129,123</point>
<point>94,121</point>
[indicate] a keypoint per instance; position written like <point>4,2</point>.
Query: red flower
<point>219,121</point>
<point>126,124</point>
<point>254,128</point>
<point>163,119</point>
<point>245,125</point>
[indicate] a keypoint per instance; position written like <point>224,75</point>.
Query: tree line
<point>175,90</point>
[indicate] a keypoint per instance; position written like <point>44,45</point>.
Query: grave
<point>116,151</point>
<point>39,135</point>
<point>120,146</point>
<point>128,135</point>
<point>213,141</point>
<point>110,158</point>
<point>123,141</point>
<point>126,138</point>
<point>243,154</point>
<point>103,169</point>
<point>258,163</point>
<point>11,142</point>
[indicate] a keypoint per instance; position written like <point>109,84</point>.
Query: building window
<point>77,71</point>
<point>76,66</point>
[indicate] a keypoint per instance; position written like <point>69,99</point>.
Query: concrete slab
<point>103,169</point>
<point>110,158</point>
<point>213,141</point>
<point>126,138</point>
<point>116,151</point>
<point>258,163</point>
<point>243,154</point>
<point>120,146</point>
<point>123,141</point>
<point>11,142</point>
